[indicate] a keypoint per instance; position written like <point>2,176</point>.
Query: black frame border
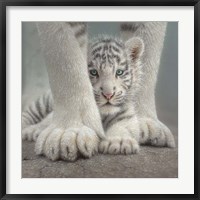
<point>5,3</point>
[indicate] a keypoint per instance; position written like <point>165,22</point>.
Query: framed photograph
<point>99,99</point>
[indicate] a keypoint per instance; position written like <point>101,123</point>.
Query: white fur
<point>155,133</point>
<point>121,138</point>
<point>74,118</point>
<point>152,34</point>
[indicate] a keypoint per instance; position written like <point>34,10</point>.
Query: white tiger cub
<point>115,73</point>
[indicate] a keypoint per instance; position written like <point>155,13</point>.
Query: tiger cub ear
<point>134,48</point>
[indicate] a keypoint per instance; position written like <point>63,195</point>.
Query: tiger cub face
<point>113,67</point>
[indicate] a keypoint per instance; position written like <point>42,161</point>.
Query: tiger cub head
<point>115,70</point>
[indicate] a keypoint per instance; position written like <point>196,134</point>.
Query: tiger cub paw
<point>119,145</point>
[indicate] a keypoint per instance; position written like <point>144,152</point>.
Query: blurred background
<point>35,79</point>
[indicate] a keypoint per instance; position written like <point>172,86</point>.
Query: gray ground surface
<point>151,162</point>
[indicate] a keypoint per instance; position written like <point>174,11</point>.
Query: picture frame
<point>4,84</point>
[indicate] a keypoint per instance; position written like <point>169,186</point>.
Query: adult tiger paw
<point>155,133</point>
<point>67,143</point>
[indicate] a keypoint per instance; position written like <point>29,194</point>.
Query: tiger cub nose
<point>108,96</point>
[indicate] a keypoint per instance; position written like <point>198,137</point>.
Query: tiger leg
<point>153,131</point>
<point>76,126</point>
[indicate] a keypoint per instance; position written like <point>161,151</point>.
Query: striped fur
<point>106,56</point>
<point>80,32</point>
<point>37,110</point>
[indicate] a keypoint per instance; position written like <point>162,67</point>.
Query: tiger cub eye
<point>119,72</point>
<point>94,72</point>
